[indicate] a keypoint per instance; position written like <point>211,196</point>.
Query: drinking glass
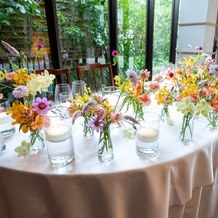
<point>58,136</point>
<point>60,88</point>
<point>112,94</point>
<point>78,88</point>
<point>2,143</point>
<point>6,127</point>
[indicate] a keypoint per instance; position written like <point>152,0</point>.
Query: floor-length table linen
<point>165,186</point>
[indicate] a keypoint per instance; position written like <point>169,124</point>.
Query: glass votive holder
<point>78,88</point>
<point>147,135</point>
<point>6,127</point>
<point>58,136</point>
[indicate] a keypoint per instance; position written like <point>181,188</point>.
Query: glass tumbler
<point>58,136</point>
<point>6,127</point>
<point>60,88</point>
<point>78,88</point>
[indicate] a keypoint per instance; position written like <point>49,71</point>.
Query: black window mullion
<point>149,34</point>
<point>174,28</point>
<point>113,32</point>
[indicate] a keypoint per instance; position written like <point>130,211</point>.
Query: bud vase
<point>87,131</point>
<point>105,146</point>
<point>165,112</point>
<point>186,133</point>
<point>212,118</point>
<point>37,141</point>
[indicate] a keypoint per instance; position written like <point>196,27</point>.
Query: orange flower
<point>145,99</point>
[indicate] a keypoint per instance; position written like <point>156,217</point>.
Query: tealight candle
<point>58,133</point>
<point>147,134</point>
<point>4,118</point>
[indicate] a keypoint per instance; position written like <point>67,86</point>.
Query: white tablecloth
<point>180,182</point>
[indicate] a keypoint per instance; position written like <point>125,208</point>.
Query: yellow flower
<point>3,74</point>
<point>21,77</point>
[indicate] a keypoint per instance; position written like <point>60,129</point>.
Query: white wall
<point>197,24</point>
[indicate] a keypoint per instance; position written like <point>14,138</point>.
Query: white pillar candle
<point>147,134</point>
<point>4,118</point>
<point>58,133</point>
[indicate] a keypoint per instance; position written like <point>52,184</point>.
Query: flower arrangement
<point>26,109</point>
<point>137,90</point>
<point>100,115</point>
<point>194,88</point>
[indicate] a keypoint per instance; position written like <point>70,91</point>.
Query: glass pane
<point>83,27</point>
<point>23,25</point>
<point>162,26</point>
<point>131,35</point>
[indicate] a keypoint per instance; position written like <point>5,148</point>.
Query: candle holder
<point>147,135</point>
<point>58,136</point>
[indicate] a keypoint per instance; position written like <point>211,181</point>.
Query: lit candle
<point>58,133</point>
<point>147,134</point>
<point>4,118</point>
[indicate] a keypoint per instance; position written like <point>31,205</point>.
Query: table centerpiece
<point>26,106</point>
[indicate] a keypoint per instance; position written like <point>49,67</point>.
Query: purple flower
<point>199,48</point>
<point>133,76</point>
<point>11,49</point>
<point>114,53</point>
<point>214,70</point>
<point>171,74</point>
<point>39,45</point>
<point>20,91</point>
<point>41,105</point>
<point>96,124</point>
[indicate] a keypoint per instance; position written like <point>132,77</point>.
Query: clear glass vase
<point>37,140</point>
<point>186,133</point>
<point>105,146</point>
<point>87,131</point>
<point>165,113</point>
<point>212,119</point>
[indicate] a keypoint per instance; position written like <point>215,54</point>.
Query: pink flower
<point>154,86</point>
<point>10,76</point>
<point>114,53</point>
<point>40,46</point>
<point>41,105</point>
<point>193,98</point>
<point>100,112</point>
<point>145,99</point>
<point>159,78</point>
<point>204,91</point>
<point>171,74</point>
<point>97,97</point>
<point>117,117</point>
<point>1,95</point>
<point>144,74</point>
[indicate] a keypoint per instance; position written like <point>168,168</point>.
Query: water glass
<point>147,135</point>
<point>112,93</point>
<point>78,88</point>
<point>6,127</point>
<point>58,136</point>
<point>60,88</point>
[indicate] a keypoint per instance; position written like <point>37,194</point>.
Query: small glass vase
<point>37,140</point>
<point>105,146</point>
<point>87,131</point>
<point>212,118</point>
<point>186,133</point>
<point>165,113</point>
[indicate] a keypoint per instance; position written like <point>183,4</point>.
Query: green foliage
<point>14,15</point>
